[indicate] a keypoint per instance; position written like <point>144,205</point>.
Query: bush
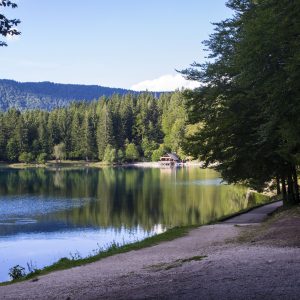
<point>16,272</point>
<point>41,158</point>
<point>26,157</point>
<point>110,154</point>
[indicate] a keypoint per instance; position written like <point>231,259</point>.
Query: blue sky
<point>116,43</point>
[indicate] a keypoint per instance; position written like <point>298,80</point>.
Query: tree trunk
<point>278,185</point>
<point>283,187</point>
<point>291,194</point>
<point>296,186</point>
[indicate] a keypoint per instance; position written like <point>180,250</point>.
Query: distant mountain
<point>48,95</point>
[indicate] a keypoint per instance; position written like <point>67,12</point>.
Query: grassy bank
<point>66,263</point>
<point>66,164</point>
<point>54,164</point>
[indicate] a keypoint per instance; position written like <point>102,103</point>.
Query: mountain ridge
<point>48,95</point>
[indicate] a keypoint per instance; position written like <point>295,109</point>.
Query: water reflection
<point>75,209</point>
<point>113,197</point>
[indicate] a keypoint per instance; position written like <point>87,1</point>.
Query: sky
<point>132,44</point>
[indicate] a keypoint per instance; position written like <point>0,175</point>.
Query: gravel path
<point>174,270</point>
<point>256,215</point>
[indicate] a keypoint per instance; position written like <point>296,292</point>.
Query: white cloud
<point>165,83</point>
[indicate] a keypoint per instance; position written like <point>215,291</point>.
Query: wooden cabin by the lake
<point>169,159</point>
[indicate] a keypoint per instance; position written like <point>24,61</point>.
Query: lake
<point>49,214</point>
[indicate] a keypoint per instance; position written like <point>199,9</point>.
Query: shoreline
<point>82,163</point>
<point>234,258</point>
<point>169,235</point>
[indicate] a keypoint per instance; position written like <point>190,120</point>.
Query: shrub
<point>110,154</point>
<point>26,157</point>
<point>41,158</point>
<point>16,272</point>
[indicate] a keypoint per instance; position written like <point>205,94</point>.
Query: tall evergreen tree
<point>76,136</point>
<point>89,138</point>
<point>250,102</point>
<point>53,130</point>
<point>104,131</point>
<point>2,139</point>
<point>43,134</point>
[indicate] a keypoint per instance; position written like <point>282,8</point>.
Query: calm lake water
<point>49,214</point>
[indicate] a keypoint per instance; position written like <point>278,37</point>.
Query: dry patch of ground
<point>281,229</point>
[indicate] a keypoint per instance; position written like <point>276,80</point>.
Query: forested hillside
<point>48,95</point>
<point>128,127</point>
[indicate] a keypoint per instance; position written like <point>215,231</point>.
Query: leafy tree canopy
<point>7,26</point>
<point>248,106</point>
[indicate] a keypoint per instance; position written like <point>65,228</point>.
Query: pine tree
<point>2,139</point>
<point>104,131</point>
<point>53,130</point>
<point>89,138</point>
<point>43,135</point>
<point>77,146</point>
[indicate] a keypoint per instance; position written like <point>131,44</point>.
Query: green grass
<point>66,263</point>
<point>193,258</point>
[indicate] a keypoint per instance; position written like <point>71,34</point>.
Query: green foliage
<point>174,122</point>
<point>110,154</point>
<point>12,149</point>
<point>131,152</point>
<point>77,136</point>
<point>17,272</point>
<point>59,151</point>
<point>87,129</point>
<point>7,26</point>
<point>120,156</point>
<point>89,136</point>
<point>148,147</point>
<point>104,130</point>
<point>158,153</point>
<point>26,157</point>
<point>41,158</point>
<point>249,107</point>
